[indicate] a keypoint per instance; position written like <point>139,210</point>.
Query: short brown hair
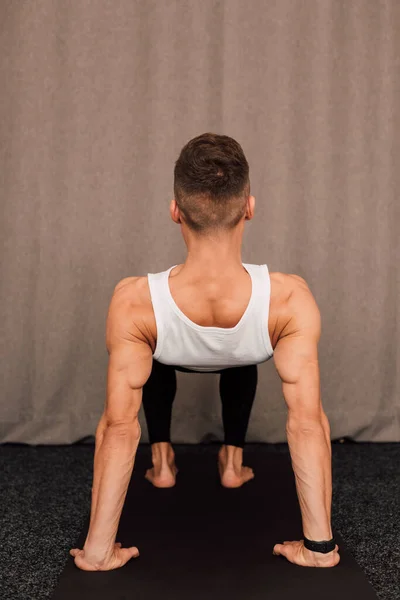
<point>211,183</point>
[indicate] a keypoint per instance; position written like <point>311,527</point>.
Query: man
<point>214,290</point>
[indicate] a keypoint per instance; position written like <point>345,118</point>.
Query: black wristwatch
<point>324,546</point>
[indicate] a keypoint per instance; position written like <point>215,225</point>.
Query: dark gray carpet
<point>45,495</point>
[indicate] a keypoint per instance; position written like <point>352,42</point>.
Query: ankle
<point>161,453</point>
<point>232,456</point>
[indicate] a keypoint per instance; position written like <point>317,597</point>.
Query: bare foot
<point>231,470</point>
<point>163,473</point>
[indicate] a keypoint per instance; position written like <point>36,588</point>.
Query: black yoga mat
<point>199,540</point>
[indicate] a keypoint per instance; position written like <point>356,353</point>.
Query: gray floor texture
<point>45,497</point>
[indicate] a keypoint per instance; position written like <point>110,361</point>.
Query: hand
<point>298,554</point>
<point>118,558</point>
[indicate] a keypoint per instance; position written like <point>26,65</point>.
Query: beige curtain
<point>97,99</point>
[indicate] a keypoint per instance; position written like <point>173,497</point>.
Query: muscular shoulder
<point>127,283</point>
<point>132,290</point>
<point>299,310</point>
<point>128,310</point>
<point>286,281</point>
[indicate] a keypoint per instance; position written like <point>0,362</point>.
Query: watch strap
<point>325,546</point>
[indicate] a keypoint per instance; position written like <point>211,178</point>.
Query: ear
<point>174,211</point>
<point>251,201</point>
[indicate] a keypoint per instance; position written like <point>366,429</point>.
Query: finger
<point>118,544</point>
<point>285,550</point>
<point>134,551</point>
<point>277,549</point>
<point>125,554</point>
<point>284,543</point>
<point>74,551</point>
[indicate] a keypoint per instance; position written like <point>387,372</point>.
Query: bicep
<point>296,360</point>
<point>129,365</point>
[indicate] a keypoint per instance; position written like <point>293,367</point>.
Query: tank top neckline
<point>223,330</point>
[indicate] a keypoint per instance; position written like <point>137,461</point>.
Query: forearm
<point>115,452</point>
<point>311,454</point>
<point>101,428</point>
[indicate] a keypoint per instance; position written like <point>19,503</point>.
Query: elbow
<point>306,424</point>
<point>126,429</point>
<point>296,427</point>
<point>136,429</point>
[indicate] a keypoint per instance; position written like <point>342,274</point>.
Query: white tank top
<point>181,342</point>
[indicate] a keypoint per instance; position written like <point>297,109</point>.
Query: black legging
<point>237,388</point>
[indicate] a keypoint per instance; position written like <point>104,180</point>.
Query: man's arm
<point>307,427</point>
<point>118,432</point>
